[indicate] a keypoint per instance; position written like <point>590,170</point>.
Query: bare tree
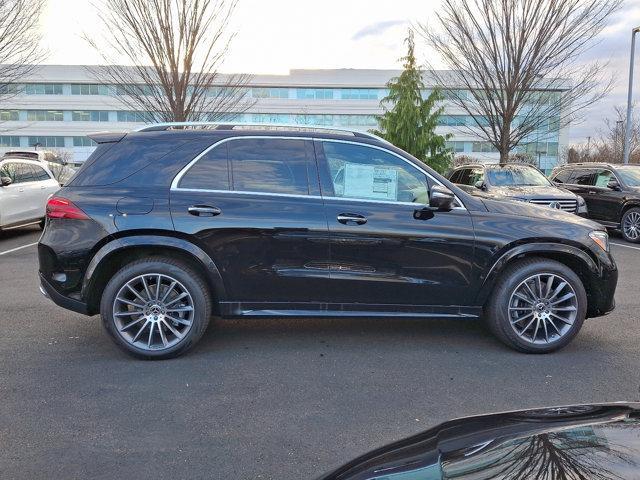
<point>515,65</point>
<point>608,148</point>
<point>176,48</point>
<point>20,50</point>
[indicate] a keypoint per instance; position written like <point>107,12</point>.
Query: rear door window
<point>269,165</point>
<point>583,177</point>
<point>39,173</point>
<point>464,177</point>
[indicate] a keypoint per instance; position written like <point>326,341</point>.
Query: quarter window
<point>366,173</point>
<point>39,173</point>
<point>562,176</point>
<point>211,172</point>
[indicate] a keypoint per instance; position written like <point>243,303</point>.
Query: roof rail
<point>157,127</point>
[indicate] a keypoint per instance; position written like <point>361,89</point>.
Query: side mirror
<point>441,198</point>
<point>4,181</point>
<point>613,185</point>
<point>480,185</point>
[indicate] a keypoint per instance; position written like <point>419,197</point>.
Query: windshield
<point>516,176</point>
<point>630,175</point>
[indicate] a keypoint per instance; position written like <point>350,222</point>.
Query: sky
<point>274,36</point>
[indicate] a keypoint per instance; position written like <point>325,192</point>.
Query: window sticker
<point>370,182</point>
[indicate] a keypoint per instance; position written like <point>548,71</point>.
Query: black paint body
<point>267,255</point>
<point>580,441</point>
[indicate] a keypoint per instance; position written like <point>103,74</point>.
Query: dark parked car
<point>516,182</point>
<point>162,227</point>
<point>612,193</point>
<point>575,442</point>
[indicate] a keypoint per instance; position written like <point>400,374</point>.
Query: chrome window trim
<point>176,180</point>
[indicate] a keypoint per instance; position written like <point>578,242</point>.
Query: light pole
<point>619,131</point>
<point>627,133</point>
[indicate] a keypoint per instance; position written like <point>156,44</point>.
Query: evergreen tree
<point>411,121</point>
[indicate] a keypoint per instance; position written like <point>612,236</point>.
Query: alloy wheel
<point>631,225</point>
<point>153,311</point>
<point>543,308</point>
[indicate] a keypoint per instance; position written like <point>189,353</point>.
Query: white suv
<point>25,187</point>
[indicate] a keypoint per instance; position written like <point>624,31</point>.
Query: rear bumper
<point>65,302</point>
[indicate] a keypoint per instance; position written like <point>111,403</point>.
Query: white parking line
<point>18,248</point>
<point>623,245</point>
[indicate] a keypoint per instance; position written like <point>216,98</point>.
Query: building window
<point>270,92</point>
<point>455,146</point>
<point>9,141</point>
<point>134,89</point>
<point>271,118</point>
<point>89,89</point>
<point>83,142</point>
<point>360,93</point>
<point>45,115</point>
<point>47,141</point>
<point>134,117</point>
<point>452,120</point>
<point>10,89</point>
<point>314,93</point>
<point>43,89</point>
<point>8,115</point>
<point>483,147</point>
<point>90,116</point>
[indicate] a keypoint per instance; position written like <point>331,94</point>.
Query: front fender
<point>137,241</point>
<point>527,249</point>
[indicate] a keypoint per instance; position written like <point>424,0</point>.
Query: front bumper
<point>603,288</point>
<point>62,301</point>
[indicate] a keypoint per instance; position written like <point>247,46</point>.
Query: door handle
<point>348,218</point>
<point>204,211</point>
<point>591,192</point>
<point>42,187</point>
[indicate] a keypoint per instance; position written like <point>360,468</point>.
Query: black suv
<point>520,182</point>
<point>612,193</point>
<point>163,227</point>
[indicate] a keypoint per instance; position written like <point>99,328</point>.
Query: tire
<point>630,225</point>
<point>506,308</point>
<point>171,325</point>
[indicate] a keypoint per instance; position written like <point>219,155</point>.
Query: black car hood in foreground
<point>577,442</point>
<point>524,209</point>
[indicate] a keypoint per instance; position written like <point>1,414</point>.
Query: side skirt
<point>285,309</point>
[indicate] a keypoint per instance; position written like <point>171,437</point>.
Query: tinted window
<point>562,176</point>
<point>630,175</point>
<point>515,175</point>
<point>211,172</point>
<point>368,173</point>
<point>269,165</point>
<point>603,177</point>
<point>583,177</point>
<point>455,177</point>
<point>465,175</point>
<point>39,173</point>
<point>9,170</point>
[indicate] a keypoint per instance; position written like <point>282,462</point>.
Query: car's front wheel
<point>537,306</point>
<point>631,225</point>
<point>156,308</point>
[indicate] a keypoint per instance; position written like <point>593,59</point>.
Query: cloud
<point>376,29</point>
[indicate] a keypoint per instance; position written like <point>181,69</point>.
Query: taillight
<point>58,207</point>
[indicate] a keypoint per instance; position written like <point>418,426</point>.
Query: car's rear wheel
<point>537,306</point>
<point>630,225</point>
<point>156,308</point>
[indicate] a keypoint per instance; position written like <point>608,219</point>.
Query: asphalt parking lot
<point>269,399</point>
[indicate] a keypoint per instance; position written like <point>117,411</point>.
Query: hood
<point>528,192</point>
<point>524,209</point>
<point>583,441</point>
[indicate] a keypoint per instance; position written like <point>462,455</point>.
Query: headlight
<point>601,238</point>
